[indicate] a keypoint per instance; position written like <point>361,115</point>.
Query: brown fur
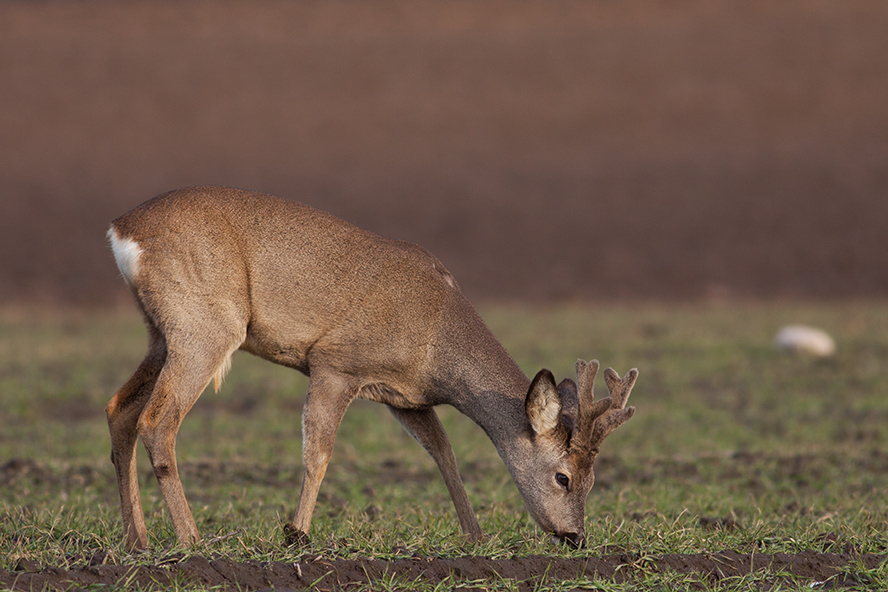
<point>222,269</point>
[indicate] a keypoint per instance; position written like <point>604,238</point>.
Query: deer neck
<point>498,408</point>
<point>485,384</point>
<point>475,374</point>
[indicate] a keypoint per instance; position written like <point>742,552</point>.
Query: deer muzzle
<point>574,540</point>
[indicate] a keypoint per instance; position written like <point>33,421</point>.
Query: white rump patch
<point>126,253</point>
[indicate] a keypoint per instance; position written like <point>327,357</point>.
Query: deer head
<point>567,427</point>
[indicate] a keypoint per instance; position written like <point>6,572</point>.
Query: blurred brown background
<point>543,150</point>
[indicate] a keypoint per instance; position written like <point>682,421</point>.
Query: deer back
<point>309,288</point>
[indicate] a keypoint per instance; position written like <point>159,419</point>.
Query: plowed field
<point>640,150</point>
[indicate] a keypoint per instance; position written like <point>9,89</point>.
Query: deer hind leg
<point>192,360</point>
<point>425,426</point>
<point>123,413</point>
<point>329,395</point>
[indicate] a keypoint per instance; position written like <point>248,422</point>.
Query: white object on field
<point>805,339</point>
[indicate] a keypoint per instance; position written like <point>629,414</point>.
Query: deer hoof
<point>293,537</point>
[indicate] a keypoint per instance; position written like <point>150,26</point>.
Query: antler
<point>618,414</point>
<point>599,418</point>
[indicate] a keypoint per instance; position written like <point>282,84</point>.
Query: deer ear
<point>570,405</point>
<point>543,403</point>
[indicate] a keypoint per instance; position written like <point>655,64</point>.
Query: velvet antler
<point>599,418</point>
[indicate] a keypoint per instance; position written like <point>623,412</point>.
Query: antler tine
<point>617,388</point>
<point>586,373</point>
<point>590,409</point>
<point>618,414</point>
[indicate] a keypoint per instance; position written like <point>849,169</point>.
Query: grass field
<point>735,446</point>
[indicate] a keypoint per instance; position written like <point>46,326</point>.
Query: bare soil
<point>642,149</point>
<point>318,573</point>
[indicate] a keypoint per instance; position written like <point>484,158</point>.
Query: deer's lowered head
<point>553,465</point>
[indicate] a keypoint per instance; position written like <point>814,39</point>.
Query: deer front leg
<point>425,426</point>
<point>325,404</point>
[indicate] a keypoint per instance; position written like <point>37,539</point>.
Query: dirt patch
<point>824,569</point>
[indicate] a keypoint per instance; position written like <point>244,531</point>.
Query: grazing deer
<point>214,270</point>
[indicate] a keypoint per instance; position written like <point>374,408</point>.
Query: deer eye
<point>563,480</point>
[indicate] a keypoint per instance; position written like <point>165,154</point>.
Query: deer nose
<point>574,540</point>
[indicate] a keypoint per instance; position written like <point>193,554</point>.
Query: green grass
<point>793,449</point>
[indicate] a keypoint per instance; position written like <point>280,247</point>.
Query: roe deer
<point>214,270</point>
